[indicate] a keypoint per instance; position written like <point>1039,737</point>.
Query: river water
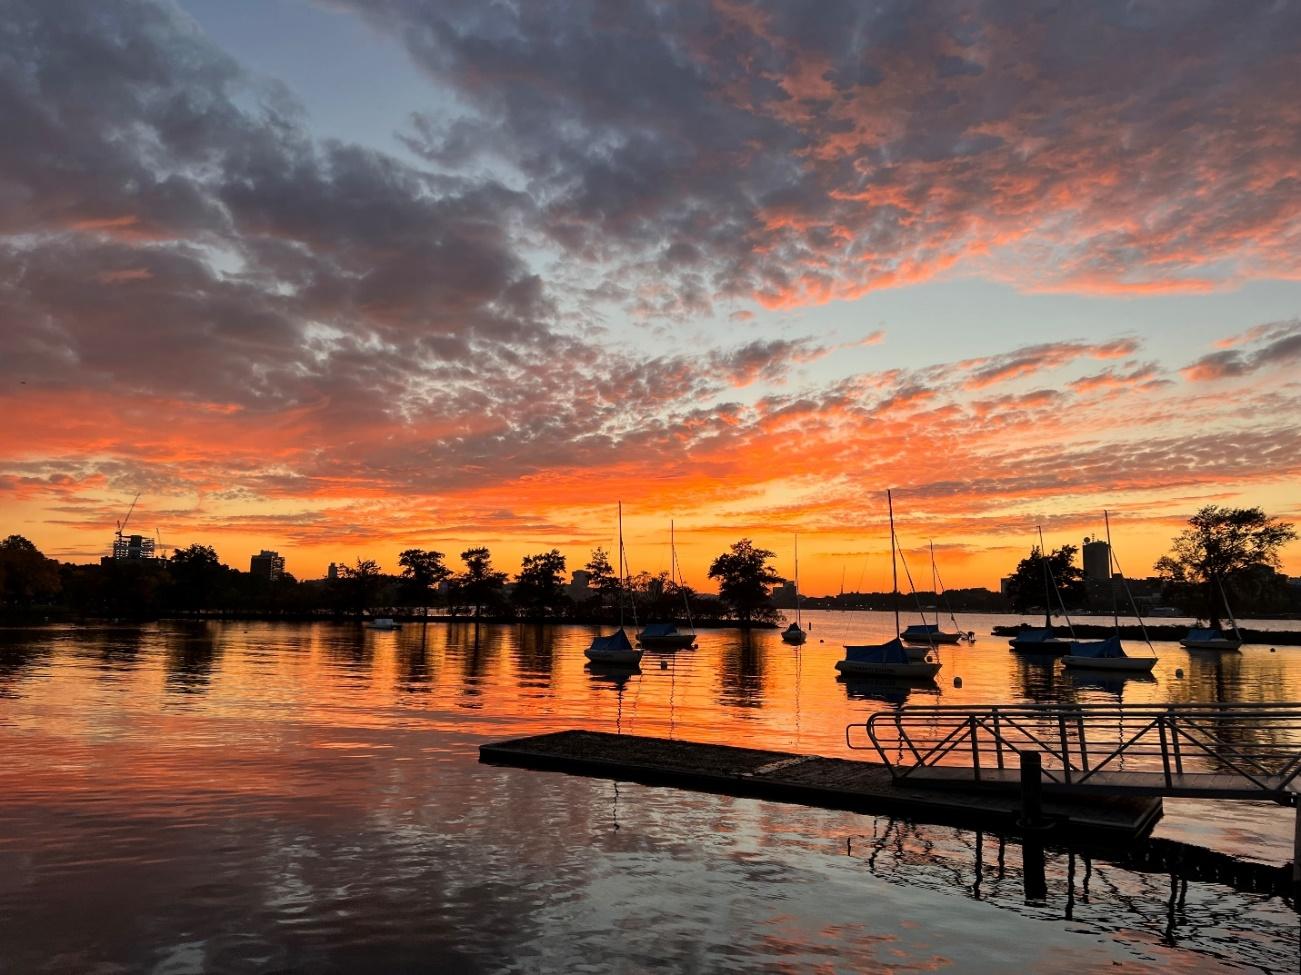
<point>307,797</point>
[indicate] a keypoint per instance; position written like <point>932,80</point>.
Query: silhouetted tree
<point>744,581</point>
<point>422,571</point>
<point>539,587</point>
<point>1219,544</point>
<point>480,584</point>
<point>197,576</point>
<point>27,577</point>
<point>361,582</point>
<point>1028,587</point>
<point>602,577</point>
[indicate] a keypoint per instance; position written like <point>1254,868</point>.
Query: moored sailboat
<point>667,636</point>
<point>932,633</point>
<point>889,659</point>
<point>794,634</point>
<point>615,648</point>
<point>1214,637</point>
<point>1044,641</point>
<point>1109,654</point>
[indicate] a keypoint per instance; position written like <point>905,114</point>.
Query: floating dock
<point>811,780</point>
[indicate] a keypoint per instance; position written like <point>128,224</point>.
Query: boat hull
<point>674,641</point>
<point>624,658</point>
<point>1210,644</point>
<point>794,639</point>
<point>932,638</point>
<point>1048,647</point>
<point>917,654</point>
<point>1128,664</point>
<point>908,671</point>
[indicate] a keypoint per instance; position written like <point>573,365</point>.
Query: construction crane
<point>119,546</point>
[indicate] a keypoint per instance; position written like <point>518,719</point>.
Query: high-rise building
<point>580,586</point>
<point>133,547</point>
<point>1097,559</point>
<point>267,565</point>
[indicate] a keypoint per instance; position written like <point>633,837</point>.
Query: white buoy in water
<point>1179,673</point>
<point>957,682</point>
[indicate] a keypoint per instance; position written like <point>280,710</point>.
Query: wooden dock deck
<point>834,783</point>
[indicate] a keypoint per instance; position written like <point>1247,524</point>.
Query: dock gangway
<point>1204,751</point>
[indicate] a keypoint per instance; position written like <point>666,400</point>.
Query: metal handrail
<point>1258,745</point>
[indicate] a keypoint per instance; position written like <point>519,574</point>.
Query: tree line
<point>1224,557</point>
<point>194,581</point>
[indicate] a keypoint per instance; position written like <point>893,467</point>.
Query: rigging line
<point>1133,605</point>
<point>943,592</point>
<point>916,599</point>
<point>1049,578</point>
<point>1060,602</point>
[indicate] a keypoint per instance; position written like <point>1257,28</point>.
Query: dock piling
<point>1032,816</point>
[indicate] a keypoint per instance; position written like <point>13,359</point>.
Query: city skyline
<point>366,277</point>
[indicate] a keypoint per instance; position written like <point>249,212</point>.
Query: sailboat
<point>794,634</point>
<point>1109,654</point>
<point>616,648</point>
<point>666,636</point>
<point>1214,638</point>
<point>1044,641</point>
<point>930,633</point>
<point>888,659</point>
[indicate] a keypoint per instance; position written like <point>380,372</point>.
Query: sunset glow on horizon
<point>340,279</point>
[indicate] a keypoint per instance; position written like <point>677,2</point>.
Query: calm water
<point>262,797</point>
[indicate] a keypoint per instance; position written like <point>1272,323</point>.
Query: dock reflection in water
<point>247,796</point>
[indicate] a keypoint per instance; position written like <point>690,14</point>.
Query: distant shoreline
<point>395,615</point>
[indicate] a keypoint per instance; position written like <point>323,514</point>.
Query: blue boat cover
<point>1033,636</point>
<point>1205,635</point>
<point>922,628</point>
<point>659,629</point>
<point>618,640</point>
<point>1110,647</point>
<point>878,653</point>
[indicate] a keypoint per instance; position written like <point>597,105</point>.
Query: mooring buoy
<point>1179,673</point>
<point>957,682</point>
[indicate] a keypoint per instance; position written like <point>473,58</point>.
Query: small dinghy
<point>383,623</point>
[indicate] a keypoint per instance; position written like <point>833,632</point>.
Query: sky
<point>344,277</point>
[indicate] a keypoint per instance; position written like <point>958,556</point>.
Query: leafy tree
<point>422,571</point>
<point>1028,587</point>
<point>197,575</point>
<point>744,581</point>
<point>1220,544</point>
<point>539,587</point>
<point>480,584</point>
<point>602,576</point>
<point>27,577</point>
<point>361,582</point>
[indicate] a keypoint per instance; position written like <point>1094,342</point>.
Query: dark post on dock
<point>1032,815</point>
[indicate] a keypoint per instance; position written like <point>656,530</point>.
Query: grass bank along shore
<point>1163,633</point>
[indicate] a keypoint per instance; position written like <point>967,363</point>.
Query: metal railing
<point>1230,750</point>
